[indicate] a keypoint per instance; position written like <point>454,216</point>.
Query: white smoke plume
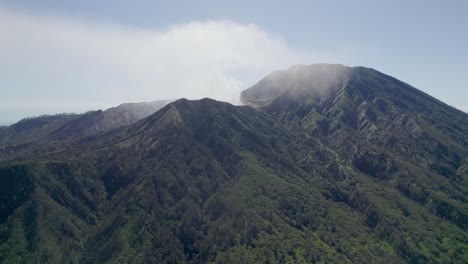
<point>53,64</point>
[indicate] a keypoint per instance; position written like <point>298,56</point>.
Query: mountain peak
<point>200,107</point>
<point>184,113</point>
<point>316,66</point>
<point>299,82</point>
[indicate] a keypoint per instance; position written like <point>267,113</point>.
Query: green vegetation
<point>371,171</point>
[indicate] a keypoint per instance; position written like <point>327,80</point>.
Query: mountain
<point>372,118</point>
<point>29,132</point>
<point>98,121</point>
<point>29,129</point>
<point>390,130</point>
<point>325,163</point>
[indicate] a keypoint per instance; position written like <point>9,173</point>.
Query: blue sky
<point>72,56</point>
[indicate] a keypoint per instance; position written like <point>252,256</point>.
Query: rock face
<point>326,163</point>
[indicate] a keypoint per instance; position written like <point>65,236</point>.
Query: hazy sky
<point>72,56</point>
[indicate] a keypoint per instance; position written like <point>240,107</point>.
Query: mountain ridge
<point>361,174</point>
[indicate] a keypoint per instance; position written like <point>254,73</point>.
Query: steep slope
<point>365,105</point>
<point>3,132</point>
<point>389,130</point>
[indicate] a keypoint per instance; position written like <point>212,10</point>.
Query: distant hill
<point>324,164</point>
<point>68,125</point>
<point>30,129</point>
<point>98,121</point>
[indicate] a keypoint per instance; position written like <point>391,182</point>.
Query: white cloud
<point>71,65</point>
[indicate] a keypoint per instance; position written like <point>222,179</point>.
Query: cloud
<point>58,64</point>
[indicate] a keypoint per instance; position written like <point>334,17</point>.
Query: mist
<point>77,65</point>
<point>315,80</point>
